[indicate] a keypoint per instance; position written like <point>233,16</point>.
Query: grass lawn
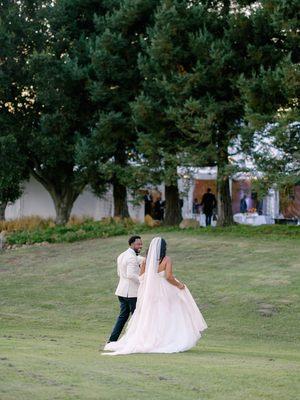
<point>58,307</point>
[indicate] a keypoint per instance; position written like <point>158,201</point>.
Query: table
<point>253,219</point>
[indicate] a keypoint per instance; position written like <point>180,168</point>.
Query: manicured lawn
<point>58,307</point>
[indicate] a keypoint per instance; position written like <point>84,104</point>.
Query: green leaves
<point>13,169</point>
<point>89,89</point>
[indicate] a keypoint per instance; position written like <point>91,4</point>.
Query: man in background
<point>208,204</point>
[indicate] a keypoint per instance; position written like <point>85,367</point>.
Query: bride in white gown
<point>166,319</point>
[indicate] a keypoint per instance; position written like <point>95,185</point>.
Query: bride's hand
<point>182,286</point>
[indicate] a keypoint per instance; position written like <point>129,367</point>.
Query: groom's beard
<point>137,252</point>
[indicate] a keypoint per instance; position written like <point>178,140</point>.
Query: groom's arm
<point>131,269</point>
<point>119,266</point>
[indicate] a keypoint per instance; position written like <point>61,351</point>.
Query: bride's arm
<point>143,267</point>
<point>170,277</point>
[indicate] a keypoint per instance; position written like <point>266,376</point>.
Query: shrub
<point>76,229</point>
<point>26,223</point>
<point>35,230</point>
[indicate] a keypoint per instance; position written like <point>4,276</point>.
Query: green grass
<point>58,307</point>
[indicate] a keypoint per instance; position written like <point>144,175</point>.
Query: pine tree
<point>161,141</point>
<point>115,81</point>
<point>272,99</point>
<point>196,55</point>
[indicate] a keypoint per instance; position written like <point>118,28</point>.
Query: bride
<point>166,319</point>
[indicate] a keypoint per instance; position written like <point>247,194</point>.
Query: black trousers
<point>127,307</point>
<point>208,219</point>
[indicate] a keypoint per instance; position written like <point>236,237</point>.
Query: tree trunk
<point>63,208</point>
<point>225,216</point>
<point>63,203</point>
<point>63,194</point>
<point>173,209</point>
<point>2,210</point>
<point>120,199</point>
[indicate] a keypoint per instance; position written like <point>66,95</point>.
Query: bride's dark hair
<point>163,249</point>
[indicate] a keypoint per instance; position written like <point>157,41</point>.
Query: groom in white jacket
<point>128,270</point>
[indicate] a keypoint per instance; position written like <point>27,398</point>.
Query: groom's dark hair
<point>132,239</point>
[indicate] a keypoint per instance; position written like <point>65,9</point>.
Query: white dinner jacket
<point>128,271</point>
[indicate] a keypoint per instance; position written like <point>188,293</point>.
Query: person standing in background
<point>148,203</point>
<point>243,205</point>
<point>159,209</point>
<point>208,204</point>
<point>195,206</point>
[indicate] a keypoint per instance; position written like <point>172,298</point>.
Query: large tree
<point>196,54</point>
<point>20,35</point>
<point>188,104</point>
<point>162,143</point>
<point>115,81</point>
<point>62,113</point>
<point>272,132</point>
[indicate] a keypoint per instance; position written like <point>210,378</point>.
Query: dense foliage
<point>122,93</point>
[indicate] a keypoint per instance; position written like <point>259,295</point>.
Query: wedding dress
<point>166,319</point>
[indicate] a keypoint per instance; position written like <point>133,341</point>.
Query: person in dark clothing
<point>195,206</point>
<point>148,203</point>
<point>243,204</point>
<point>159,209</point>
<point>208,204</point>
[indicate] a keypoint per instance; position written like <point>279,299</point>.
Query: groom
<point>128,271</point>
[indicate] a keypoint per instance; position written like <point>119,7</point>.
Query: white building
<point>37,201</point>
<point>194,182</point>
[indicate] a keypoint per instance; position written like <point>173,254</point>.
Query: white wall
<point>87,204</point>
<point>37,201</point>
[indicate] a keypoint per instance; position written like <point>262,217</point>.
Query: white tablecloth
<point>253,219</point>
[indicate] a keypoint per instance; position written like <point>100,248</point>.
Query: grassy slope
<point>57,307</point>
